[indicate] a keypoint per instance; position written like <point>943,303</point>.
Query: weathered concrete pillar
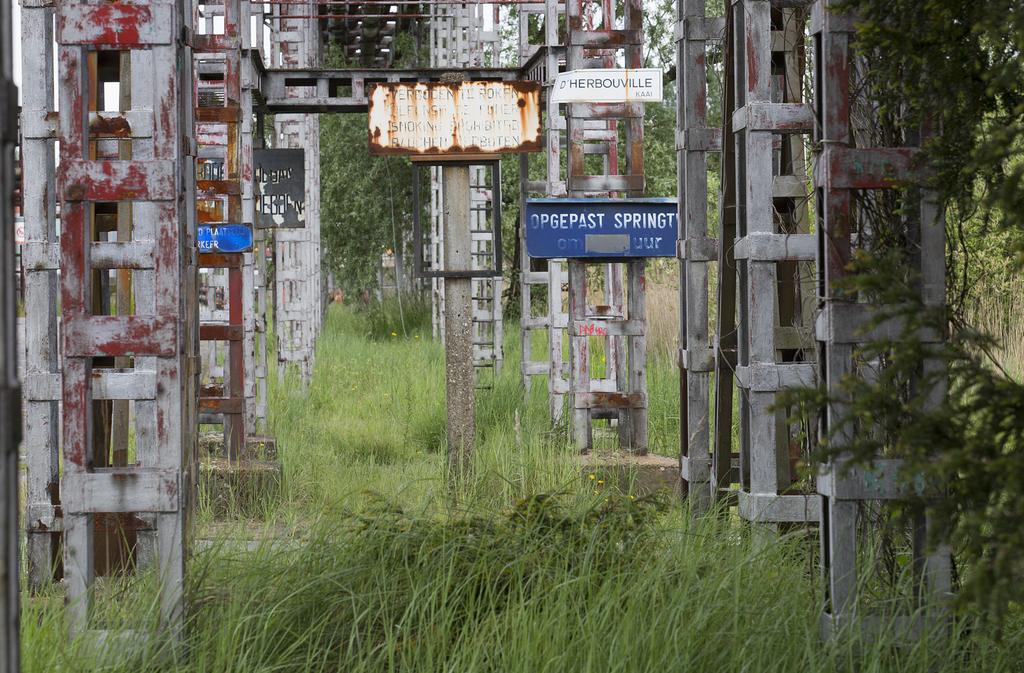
<point>458,323</point>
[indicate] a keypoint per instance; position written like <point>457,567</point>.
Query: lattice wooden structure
<point>127,320</point>
<point>158,337</point>
<point>10,393</point>
<point>843,173</point>
<point>543,280</point>
<point>762,342</point>
<point>764,303</point>
<point>488,322</point>
<point>772,252</point>
<point>294,44</point>
<point>218,117</point>
<point>254,297</point>
<point>592,129</point>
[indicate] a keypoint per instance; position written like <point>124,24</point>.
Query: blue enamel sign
<point>224,238</point>
<point>601,228</point>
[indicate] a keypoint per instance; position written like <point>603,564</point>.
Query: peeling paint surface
<point>454,118</point>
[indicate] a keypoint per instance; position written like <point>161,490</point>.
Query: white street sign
<point>642,85</point>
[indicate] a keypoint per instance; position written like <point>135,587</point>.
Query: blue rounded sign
<point>224,238</point>
<point>601,228</point>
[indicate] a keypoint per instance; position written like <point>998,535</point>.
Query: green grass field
<point>364,562</point>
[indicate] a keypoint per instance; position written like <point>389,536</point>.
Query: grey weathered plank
<point>10,409</point>
<point>42,439</point>
<point>696,250</point>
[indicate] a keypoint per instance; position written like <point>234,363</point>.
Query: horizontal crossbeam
<point>345,90</point>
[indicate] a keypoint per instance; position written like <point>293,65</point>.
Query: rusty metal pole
<point>458,323</point>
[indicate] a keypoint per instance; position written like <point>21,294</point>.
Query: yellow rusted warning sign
<point>458,118</point>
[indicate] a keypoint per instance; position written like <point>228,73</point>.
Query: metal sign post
<point>456,123</point>
<point>458,324</point>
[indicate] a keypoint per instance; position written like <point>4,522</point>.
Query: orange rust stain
<point>209,211</point>
<point>116,127</point>
<point>454,118</point>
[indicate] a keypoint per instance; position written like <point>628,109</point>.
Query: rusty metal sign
<point>281,188</point>
<point>454,119</point>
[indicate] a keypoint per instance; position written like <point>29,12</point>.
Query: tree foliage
<point>366,200</point>
<point>957,68</point>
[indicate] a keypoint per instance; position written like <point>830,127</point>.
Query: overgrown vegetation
<point>366,201</point>
<point>956,68</point>
<point>950,409</point>
<point>405,315</point>
<point>365,565</point>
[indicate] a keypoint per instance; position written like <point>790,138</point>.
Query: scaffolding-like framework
<point>219,178</point>
<point>773,252</point>
<point>776,280</point>
<point>594,39</point>
<point>160,334</point>
<point>255,290</point>
<point>696,250</point>
<point>120,349</point>
<point>298,302</point>
<point>542,281</point>
<point>762,343</point>
<point>844,171</point>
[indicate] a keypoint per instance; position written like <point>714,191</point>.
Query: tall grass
<point>1001,314</point>
<point>611,585</point>
<point>663,314</point>
<point>364,564</point>
<point>403,315</point>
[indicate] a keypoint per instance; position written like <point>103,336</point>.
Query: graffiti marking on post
<point>281,188</point>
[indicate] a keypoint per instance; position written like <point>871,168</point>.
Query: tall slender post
<point>10,409</point>
<point>697,251</point>
<point>459,40</point>
<point>458,323</point>
<point>43,520</point>
<point>540,63</point>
